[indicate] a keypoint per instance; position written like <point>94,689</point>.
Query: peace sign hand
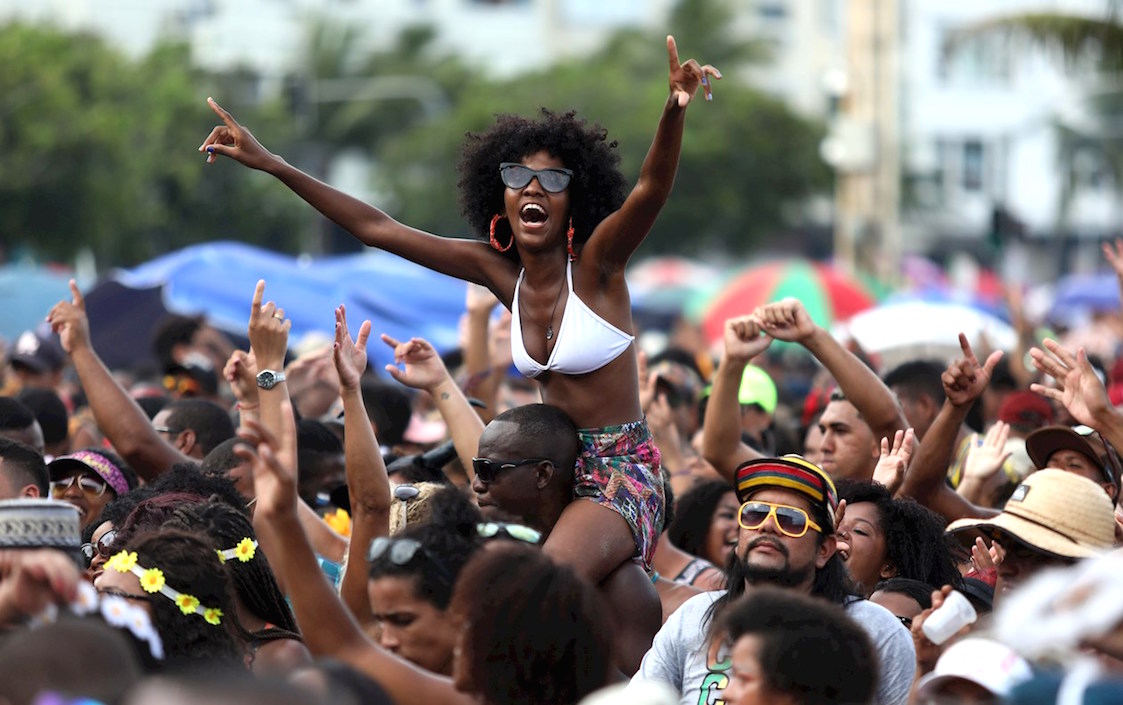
<point>232,140</point>
<point>685,78</point>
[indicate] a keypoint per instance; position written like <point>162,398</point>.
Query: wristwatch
<point>267,379</point>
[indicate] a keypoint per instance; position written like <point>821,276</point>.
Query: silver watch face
<point>266,379</point>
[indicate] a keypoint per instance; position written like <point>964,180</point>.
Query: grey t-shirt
<point>679,654</point>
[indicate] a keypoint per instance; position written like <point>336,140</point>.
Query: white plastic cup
<point>956,613</point>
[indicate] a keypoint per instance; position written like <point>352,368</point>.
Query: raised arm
<point>721,430</point>
<point>119,417</point>
<point>465,259</point>
<point>788,320</point>
<point>269,338</point>
<point>926,481</point>
<point>1078,389</point>
<point>326,625</point>
<point>367,483</point>
<point>424,370</point>
<point>620,234</point>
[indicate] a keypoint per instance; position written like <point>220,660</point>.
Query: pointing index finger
<point>221,112</point>
<point>968,353</point>
<point>258,295</point>
<point>76,295</point>
<point>672,52</point>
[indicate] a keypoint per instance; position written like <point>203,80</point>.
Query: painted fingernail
<point>210,150</point>
<point>709,97</point>
<point>704,80</point>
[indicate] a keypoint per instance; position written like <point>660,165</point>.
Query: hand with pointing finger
<point>268,331</point>
<point>232,140</point>
<point>68,319</point>
<point>687,77</point>
<point>965,379</point>
<point>423,366</point>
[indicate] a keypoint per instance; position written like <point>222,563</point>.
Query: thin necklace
<point>550,326</point>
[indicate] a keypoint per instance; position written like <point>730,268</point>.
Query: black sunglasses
<point>554,180</point>
<point>487,469</point>
<point>402,551</point>
<point>102,547</point>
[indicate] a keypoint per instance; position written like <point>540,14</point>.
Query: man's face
<point>775,558</point>
<point>1020,564</point>
<point>513,491</point>
<point>1079,464</point>
<point>848,448</point>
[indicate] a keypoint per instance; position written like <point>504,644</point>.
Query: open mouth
<point>532,214</point>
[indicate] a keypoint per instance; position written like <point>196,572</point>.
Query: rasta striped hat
<point>788,472</point>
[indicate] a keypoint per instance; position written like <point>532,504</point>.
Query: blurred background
<point>858,153</point>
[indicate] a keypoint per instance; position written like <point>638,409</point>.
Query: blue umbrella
<point>217,279</point>
<point>1080,294</point>
<point>27,293</point>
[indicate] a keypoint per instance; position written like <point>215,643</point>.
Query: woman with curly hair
<point>892,538</point>
<point>560,226</point>
<point>180,581</point>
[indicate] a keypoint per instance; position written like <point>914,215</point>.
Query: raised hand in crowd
<point>268,332</point>
<point>327,627</point>
<point>32,580</point>
<point>69,320</point>
<point>1078,388</point>
<point>422,368</point>
<point>786,320</point>
<point>722,447</point>
<point>240,373</point>
<point>982,469</point>
<point>964,381</point>
<point>125,425</point>
<point>894,461</point>
<point>236,142</point>
<point>367,483</point>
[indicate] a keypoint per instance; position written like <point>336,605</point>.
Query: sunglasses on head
<point>554,180</point>
<point>101,547</point>
<point>402,551</point>
<point>89,484</point>
<point>487,469</point>
<point>518,532</point>
<point>791,521</point>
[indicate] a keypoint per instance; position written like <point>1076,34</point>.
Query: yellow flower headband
<point>152,581</point>
<point>244,551</point>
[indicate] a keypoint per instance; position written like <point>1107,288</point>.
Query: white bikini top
<point>586,342</point>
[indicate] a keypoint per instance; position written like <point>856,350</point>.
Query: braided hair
<point>253,580</point>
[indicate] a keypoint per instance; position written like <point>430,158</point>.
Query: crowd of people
<point>273,525</point>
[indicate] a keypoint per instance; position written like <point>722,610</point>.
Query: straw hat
<point>1056,512</point>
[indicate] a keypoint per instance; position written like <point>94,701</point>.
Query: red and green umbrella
<point>828,294</point>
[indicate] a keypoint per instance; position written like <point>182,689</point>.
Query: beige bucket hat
<point>1053,511</point>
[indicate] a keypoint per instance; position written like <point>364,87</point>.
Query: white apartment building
<point>981,129</point>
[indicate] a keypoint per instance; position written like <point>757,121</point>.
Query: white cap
<point>985,662</point>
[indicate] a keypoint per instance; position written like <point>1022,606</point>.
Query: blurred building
<point>937,149</point>
<point>1002,140</point>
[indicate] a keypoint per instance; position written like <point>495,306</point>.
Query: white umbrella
<point>926,329</point>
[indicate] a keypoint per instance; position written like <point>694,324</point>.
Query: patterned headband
<point>103,467</point>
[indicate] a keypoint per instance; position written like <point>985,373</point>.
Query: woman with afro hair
<point>557,227</point>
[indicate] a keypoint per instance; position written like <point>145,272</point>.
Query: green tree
<point>746,158</point>
<point>99,152</point>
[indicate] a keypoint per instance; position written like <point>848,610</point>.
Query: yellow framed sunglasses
<point>791,521</point>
